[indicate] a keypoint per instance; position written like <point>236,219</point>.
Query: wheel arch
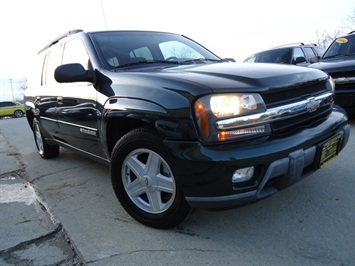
<point>117,126</point>
<point>122,115</point>
<point>30,116</point>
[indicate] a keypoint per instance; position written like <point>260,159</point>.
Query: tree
<point>349,23</point>
<point>324,38</point>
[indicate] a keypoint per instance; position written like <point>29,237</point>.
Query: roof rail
<point>290,44</point>
<point>295,43</point>
<point>59,38</point>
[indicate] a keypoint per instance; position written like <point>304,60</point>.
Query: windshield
<point>272,56</point>
<point>343,46</point>
<point>122,48</point>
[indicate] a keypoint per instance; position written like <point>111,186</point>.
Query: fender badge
<point>88,131</point>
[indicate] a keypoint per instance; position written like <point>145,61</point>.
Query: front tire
<point>45,150</point>
<point>144,182</point>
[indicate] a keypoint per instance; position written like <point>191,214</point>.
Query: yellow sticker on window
<point>342,40</point>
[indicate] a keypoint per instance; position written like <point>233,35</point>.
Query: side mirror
<point>228,60</point>
<point>73,73</point>
<point>299,60</point>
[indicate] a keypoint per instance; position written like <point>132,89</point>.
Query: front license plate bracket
<point>328,150</point>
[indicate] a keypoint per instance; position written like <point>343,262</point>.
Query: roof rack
<point>294,44</point>
<point>59,38</point>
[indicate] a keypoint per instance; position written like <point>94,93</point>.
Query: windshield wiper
<point>199,60</point>
<point>145,62</point>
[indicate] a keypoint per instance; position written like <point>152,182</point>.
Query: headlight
<point>235,104</point>
<point>212,108</point>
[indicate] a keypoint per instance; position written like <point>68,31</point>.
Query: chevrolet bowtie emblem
<point>312,104</point>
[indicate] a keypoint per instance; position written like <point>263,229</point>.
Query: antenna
<point>108,35</point>
<point>103,13</point>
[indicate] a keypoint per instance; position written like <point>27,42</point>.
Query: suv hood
<point>226,77</point>
<point>337,64</point>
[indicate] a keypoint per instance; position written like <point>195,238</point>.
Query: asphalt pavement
<point>64,212</point>
<point>30,234</point>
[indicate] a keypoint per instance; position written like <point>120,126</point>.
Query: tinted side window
<point>297,52</point>
<point>309,52</point>
<point>6,104</point>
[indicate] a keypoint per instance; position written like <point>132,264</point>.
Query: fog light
<point>243,174</point>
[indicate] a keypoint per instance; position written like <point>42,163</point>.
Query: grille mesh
<point>292,95</point>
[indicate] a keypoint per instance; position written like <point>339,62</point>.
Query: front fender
<point>121,115</point>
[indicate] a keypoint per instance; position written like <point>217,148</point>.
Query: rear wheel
<point>45,150</point>
<point>18,113</point>
<point>144,182</point>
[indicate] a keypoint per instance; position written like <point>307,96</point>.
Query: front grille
<point>344,74</point>
<point>305,120</point>
<point>293,95</point>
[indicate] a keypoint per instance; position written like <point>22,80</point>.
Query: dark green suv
<point>339,62</point>
<point>179,127</point>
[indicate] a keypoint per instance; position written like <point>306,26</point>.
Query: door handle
<point>60,100</point>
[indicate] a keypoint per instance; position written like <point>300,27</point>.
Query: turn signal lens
<point>202,118</point>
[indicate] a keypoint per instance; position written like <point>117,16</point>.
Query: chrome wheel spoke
<point>135,188</point>
<point>155,201</point>
<point>148,181</point>
<point>166,184</point>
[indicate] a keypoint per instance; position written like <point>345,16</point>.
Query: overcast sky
<point>228,28</point>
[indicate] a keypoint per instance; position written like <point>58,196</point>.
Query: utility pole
<point>12,90</point>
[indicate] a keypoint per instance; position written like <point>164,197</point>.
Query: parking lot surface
<point>65,213</point>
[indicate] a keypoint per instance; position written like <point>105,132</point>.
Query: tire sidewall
<point>48,151</point>
<point>128,143</point>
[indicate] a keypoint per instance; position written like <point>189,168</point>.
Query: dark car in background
<point>339,62</point>
<point>292,54</point>
<point>11,108</point>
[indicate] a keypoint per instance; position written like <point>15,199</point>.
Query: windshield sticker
<point>342,40</point>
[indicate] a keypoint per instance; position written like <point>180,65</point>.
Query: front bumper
<point>346,99</point>
<point>204,173</point>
